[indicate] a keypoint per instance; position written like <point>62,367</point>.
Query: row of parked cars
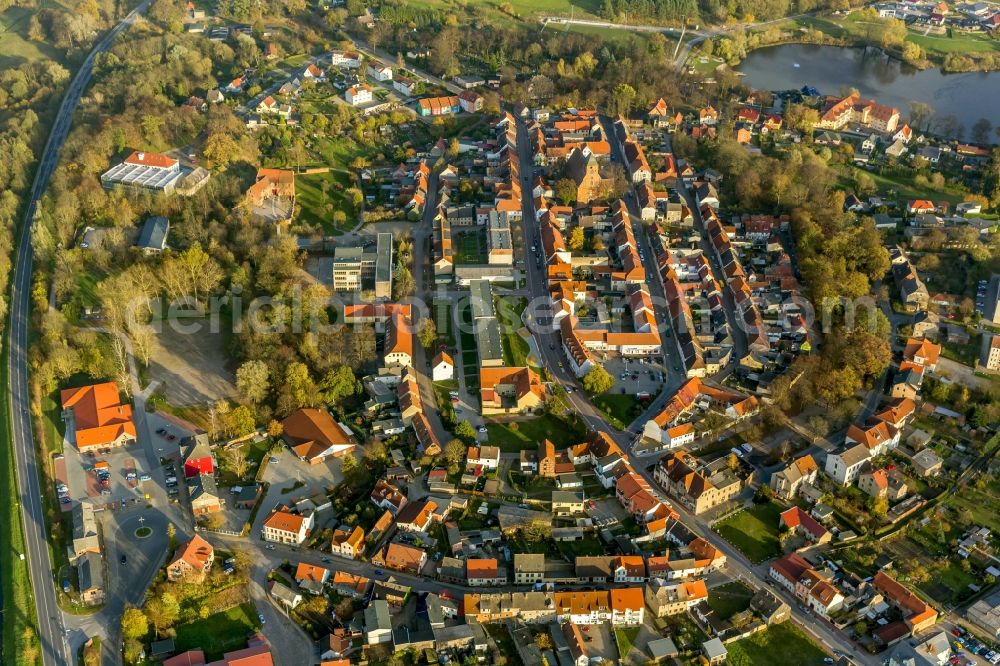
<point>964,641</point>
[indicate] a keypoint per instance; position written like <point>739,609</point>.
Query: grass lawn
<point>470,247</point>
<point>905,186</point>
<point>620,409</point>
<point>254,451</point>
<point>518,435</point>
<point>954,42</point>
<point>317,208</point>
<point>754,531</point>
<point>219,633</point>
<point>515,347</point>
<point>730,599</point>
<point>966,354</point>
<point>626,639</point>
<point>582,548</point>
<point>778,645</point>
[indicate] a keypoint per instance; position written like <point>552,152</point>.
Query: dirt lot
<point>191,368</point>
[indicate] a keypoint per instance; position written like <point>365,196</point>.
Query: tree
<point>576,239</point>
<point>427,332</point>
<point>537,530</point>
<point>801,117</point>
<point>275,429</point>
<point>879,506</point>
<point>622,99</point>
<point>466,432</point>
<point>253,381</point>
<point>237,457</point>
<point>597,381</point>
<point>241,421</point>
<point>860,628</point>
<point>134,624</point>
<point>454,451</point>
<point>172,535</point>
<point>565,191</point>
<point>339,384</point>
<point>981,131</point>
<point>349,465</point>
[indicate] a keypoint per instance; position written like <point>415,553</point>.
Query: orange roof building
<point>99,418</point>
<point>315,436</point>
<point>272,184</point>
<point>510,390</point>
<point>282,526</point>
<point>193,559</point>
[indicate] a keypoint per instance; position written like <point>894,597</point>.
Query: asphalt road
<point>51,633</point>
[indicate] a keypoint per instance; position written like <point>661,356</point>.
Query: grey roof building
<point>153,237</point>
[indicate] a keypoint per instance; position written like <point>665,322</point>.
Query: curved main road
<point>50,625</point>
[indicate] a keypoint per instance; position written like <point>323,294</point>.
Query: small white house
<point>359,94</point>
<point>379,71</point>
<point>442,367</point>
<point>404,85</point>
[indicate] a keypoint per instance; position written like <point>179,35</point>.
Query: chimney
<point>141,156</point>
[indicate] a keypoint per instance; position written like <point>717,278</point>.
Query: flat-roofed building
<point>364,267</point>
<point>151,171</point>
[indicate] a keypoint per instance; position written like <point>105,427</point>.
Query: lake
<point>967,96</point>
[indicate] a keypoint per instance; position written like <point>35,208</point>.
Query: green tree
<point>466,432</point>
<point>134,624</point>
<point>241,421</point>
<point>597,381</point>
<point>427,332</point>
<point>454,451</point>
<point>338,384</point>
<point>253,381</point>
<point>801,117</point>
<point>565,191</point>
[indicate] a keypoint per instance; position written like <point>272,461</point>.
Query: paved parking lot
<point>605,512</point>
<point>636,376</point>
<point>289,471</point>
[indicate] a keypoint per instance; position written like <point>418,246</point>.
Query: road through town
<point>51,633</point>
<point>550,346</point>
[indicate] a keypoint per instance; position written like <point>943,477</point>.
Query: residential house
<point>398,341</point>
<point>567,503</point>
<point>926,463</point>
<point>510,390</point>
<point>670,598</point>
<point>349,543</point>
<point>284,595</point>
<point>579,650</point>
<point>917,613</point>
<point>471,102</point>
<point>877,436</point>
<point>714,651</point>
<point>358,94</point>
<point>786,482</point>
<point>483,572</point>
<point>388,497</point>
<point>487,457</point>
<point>442,367</point>
<point>311,578</point>
<point>922,352</point>
<point>416,516</point>
<point>192,560</point>
<point>882,483</point>
<point>684,478</point>
<point>378,623</point>
<point>198,459</point>
<point>379,70</point>
<point>90,579</point>
<point>203,495</point>
<point>804,525</point>
<point>283,526</point>
<point>845,465</point>
<point>401,557</point>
